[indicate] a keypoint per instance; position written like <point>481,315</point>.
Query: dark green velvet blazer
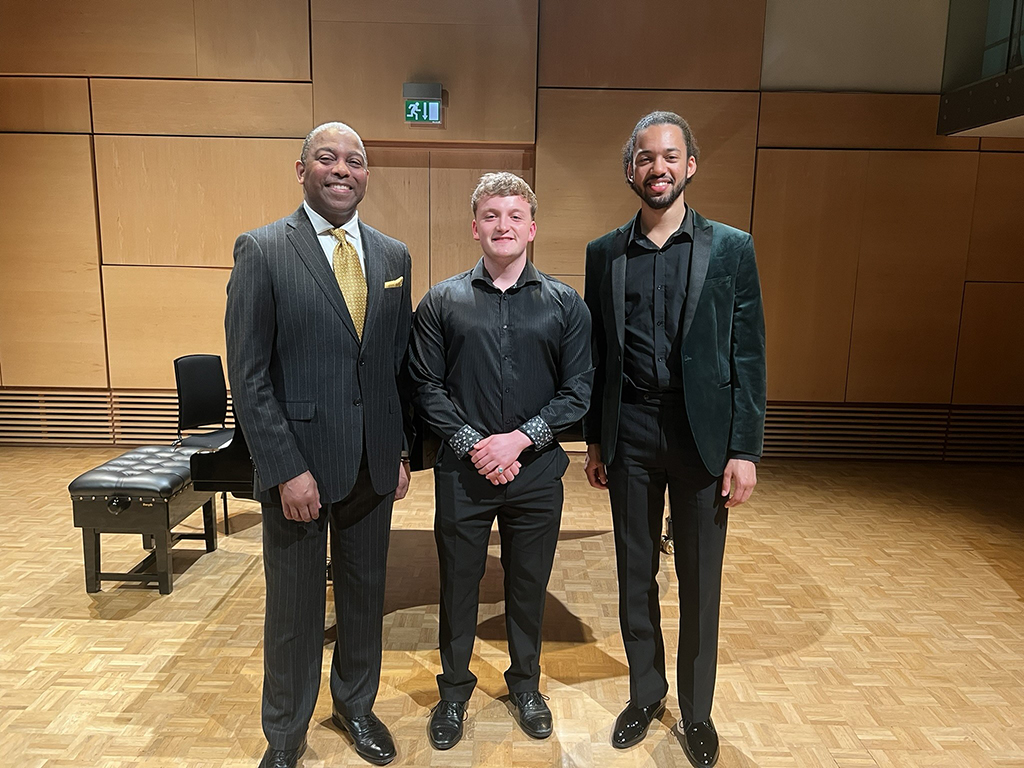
<point>723,347</point>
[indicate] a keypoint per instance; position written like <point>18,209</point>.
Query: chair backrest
<point>202,393</point>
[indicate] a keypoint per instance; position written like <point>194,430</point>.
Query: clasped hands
<point>500,452</point>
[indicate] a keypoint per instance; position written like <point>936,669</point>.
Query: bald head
<point>332,126</point>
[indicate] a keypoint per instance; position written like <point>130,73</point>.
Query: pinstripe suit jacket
<point>306,392</point>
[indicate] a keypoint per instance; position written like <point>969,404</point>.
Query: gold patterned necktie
<point>350,279</point>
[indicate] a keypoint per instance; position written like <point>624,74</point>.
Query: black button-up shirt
<point>656,283</point>
<point>486,361</point>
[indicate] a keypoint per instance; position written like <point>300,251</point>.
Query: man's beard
<point>664,200</point>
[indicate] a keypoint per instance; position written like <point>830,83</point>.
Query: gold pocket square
<point>396,283</point>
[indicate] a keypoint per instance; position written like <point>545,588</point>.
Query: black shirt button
<point>357,401</point>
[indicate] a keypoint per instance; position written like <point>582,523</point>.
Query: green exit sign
<point>423,111</point>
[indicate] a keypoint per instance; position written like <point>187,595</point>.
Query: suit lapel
<point>373,258</point>
<point>700,258</point>
<point>306,244</point>
<point>618,270</point>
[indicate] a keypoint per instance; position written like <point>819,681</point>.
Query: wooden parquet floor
<point>872,616</point>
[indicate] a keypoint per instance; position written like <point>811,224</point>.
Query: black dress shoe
<point>282,758</point>
<point>532,713</point>
<point>371,737</point>
<point>632,723</point>
<point>700,743</point>
<point>445,729</point>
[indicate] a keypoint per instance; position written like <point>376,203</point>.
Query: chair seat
<point>216,439</point>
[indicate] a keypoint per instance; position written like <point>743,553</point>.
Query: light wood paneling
<point>518,12</point>
<point>454,175</point>
<point>1001,145</point>
<point>397,203</point>
<point>808,218</point>
<point>868,45</point>
<point>113,37</point>
<point>202,108</point>
<point>852,121</point>
<point>51,315</point>
<point>155,314</point>
<point>714,46</point>
<point>997,237</point>
<point>243,40</point>
<point>44,105</point>
<point>579,171</point>
<point>910,277</point>
<point>183,201</point>
<point>490,88</point>
<point>990,353</point>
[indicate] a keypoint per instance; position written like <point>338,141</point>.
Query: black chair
<point>202,402</point>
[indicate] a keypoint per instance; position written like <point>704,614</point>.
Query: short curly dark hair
<point>658,118</point>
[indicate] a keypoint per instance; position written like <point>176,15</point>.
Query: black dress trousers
<point>294,556</point>
<point>529,512</point>
<point>655,449</point>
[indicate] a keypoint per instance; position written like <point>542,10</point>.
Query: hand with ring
<point>504,475</point>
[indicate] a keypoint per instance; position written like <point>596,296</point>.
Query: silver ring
<point>500,470</point>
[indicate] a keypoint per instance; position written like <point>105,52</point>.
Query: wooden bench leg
<point>164,562</point>
<point>91,547</point>
<point>210,524</point>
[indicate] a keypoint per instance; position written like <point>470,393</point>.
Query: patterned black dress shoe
<point>445,729</point>
<point>532,713</point>
<point>282,758</point>
<point>700,742</point>
<point>370,736</point>
<point>632,723</point>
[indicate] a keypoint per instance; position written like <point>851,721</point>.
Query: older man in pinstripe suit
<point>318,320</point>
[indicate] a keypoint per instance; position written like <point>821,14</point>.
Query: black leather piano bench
<point>147,490</point>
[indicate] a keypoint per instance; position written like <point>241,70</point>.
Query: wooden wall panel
<point>243,40</point>
<point>397,203</point>
<point>490,89</point>
<point>44,105</point>
<point>997,237</point>
<point>51,315</point>
<point>183,201</point>
<point>517,12</point>
<point>808,218</point>
<point>454,175</point>
<point>113,37</point>
<point>989,144</point>
<point>580,183</point>
<point>155,314</point>
<point>202,108</point>
<point>868,45</point>
<point>990,353</point>
<point>911,274</point>
<point>852,121</point>
<point>717,46</point>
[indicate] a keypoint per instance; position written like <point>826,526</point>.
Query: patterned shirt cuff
<point>538,430</point>
<point>464,439</point>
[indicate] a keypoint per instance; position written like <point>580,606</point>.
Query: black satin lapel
<point>619,293</point>
<point>304,239</point>
<point>699,261</point>
<point>374,259</point>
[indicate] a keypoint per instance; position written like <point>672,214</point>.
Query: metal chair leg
<point>225,497</point>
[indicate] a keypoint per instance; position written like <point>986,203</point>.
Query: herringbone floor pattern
<point>872,616</point>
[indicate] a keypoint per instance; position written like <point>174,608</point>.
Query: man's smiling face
<point>334,175</point>
<point>504,227</point>
<point>661,166</point>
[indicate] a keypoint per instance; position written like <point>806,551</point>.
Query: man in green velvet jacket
<point>678,402</point>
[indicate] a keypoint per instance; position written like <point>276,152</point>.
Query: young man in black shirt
<point>501,361</point>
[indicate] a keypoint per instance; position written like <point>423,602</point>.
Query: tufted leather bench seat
<point>147,490</point>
